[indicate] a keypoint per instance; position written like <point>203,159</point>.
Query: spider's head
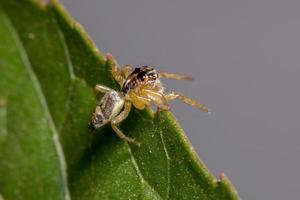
<point>145,75</point>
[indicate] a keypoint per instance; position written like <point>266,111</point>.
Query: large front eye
<point>153,76</point>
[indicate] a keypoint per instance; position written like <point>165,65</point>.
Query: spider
<point>140,87</point>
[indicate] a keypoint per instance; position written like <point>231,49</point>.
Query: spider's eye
<point>142,75</point>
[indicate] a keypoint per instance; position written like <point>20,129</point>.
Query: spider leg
<point>102,88</point>
<point>158,99</point>
<point>115,69</point>
<point>187,100</point>
<point>126,70</point>
<point>175,76</point>
<point>118,119</point>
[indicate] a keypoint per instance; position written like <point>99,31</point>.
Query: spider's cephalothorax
<point>139,87</point>
<point>141,77</point>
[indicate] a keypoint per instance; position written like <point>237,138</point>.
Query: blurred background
<point>245,58</point>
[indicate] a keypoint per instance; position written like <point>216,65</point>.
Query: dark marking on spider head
<point>141,75</point>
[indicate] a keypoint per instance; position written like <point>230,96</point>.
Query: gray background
<point>245,57</point>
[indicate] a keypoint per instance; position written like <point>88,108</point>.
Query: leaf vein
<point>138,171</point>
<point>39,92</point>
<point>168,164</point>
<point>66,51</point>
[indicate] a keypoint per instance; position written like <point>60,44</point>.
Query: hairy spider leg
<point>119,73</point>
<point>102,88</point>
<point>116,72</point>
<point>158,99</point>
<point>175,95</point>
<point>118,119</point>
<point>126,70</point>
<point>175,76</point>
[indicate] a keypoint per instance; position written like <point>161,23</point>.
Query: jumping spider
<point>139,87</point>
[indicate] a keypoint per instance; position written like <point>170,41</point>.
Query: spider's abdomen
<point>145,75</point>
<point>107,108</point>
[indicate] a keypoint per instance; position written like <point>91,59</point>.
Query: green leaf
<point>48,68</point>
